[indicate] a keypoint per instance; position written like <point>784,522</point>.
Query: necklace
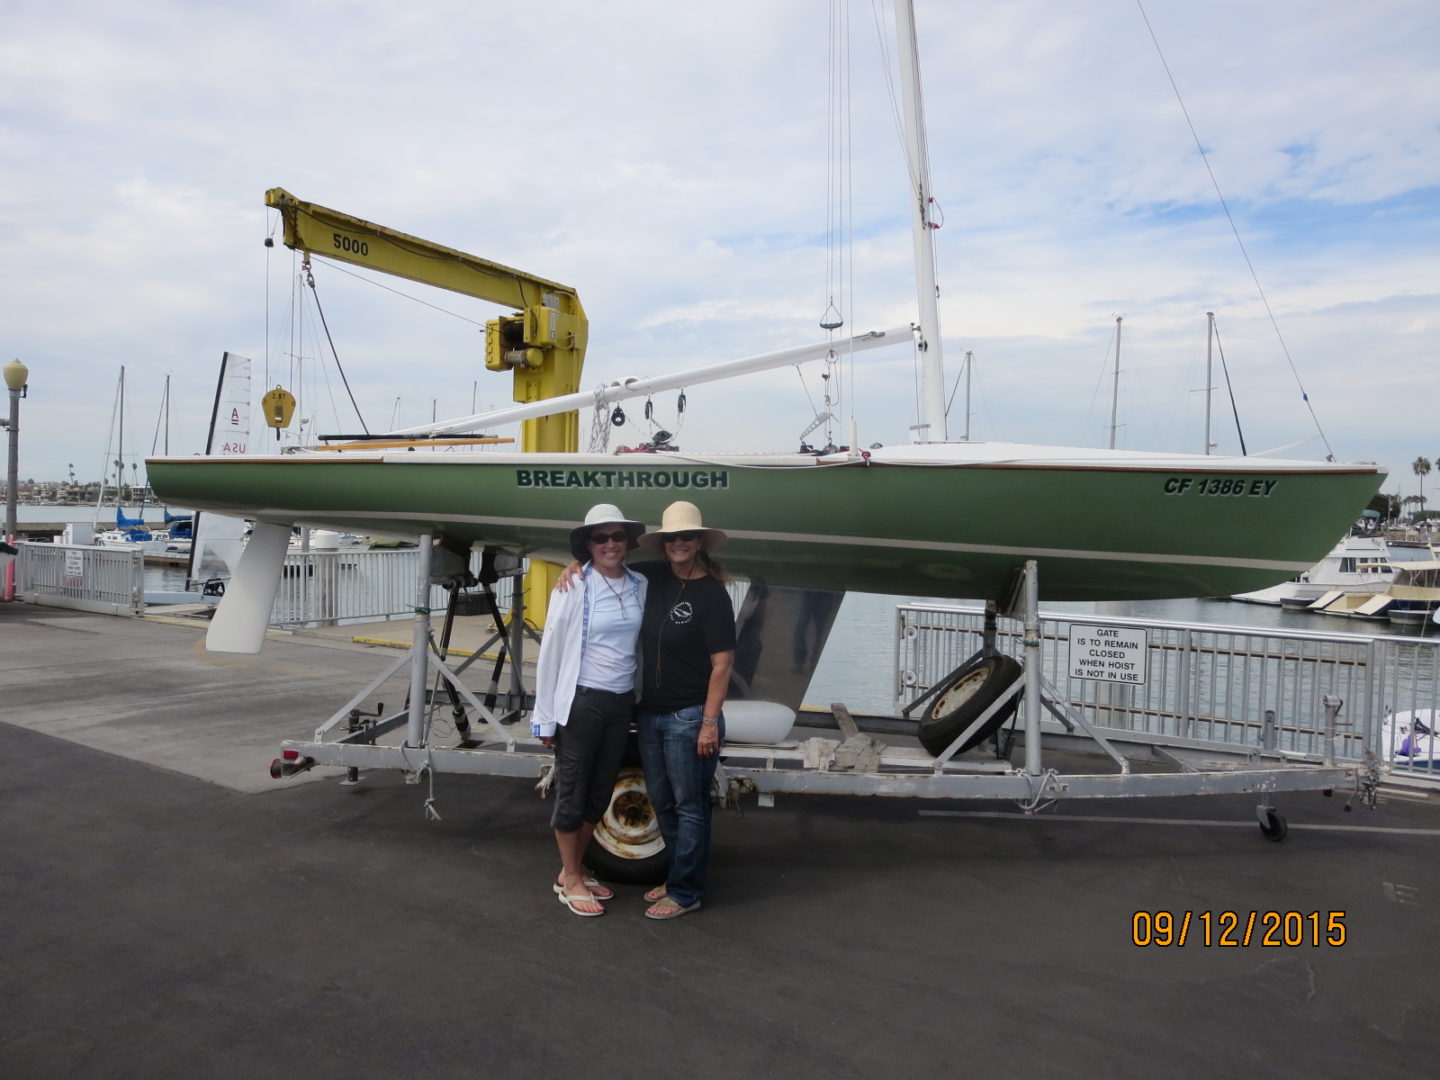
<point>666,618</point>
<point>619,593</point>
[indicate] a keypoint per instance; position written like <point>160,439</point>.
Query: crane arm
<point>543,342</point>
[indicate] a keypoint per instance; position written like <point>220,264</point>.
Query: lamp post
<point>16,375</point>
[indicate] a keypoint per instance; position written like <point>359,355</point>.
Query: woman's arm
<point>721,664</point>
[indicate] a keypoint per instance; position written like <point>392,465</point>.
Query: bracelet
<point>709,719</point>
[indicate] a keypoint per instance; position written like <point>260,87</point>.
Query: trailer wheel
<point>627,846</point>
<point>972,691</point>
<point>1274,826</point>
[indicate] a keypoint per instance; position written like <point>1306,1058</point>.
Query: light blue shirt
<point>608,659</point>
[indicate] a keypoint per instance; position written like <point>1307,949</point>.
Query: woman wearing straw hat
<point>688,644</point>
<point>585,691</point>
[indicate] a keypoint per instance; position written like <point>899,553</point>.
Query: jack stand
<point>356,723</point>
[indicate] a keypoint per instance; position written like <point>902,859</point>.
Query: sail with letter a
<point>219,540</point>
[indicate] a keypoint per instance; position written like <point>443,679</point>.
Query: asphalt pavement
<point>171,911</point>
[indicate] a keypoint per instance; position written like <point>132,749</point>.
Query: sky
<point>673,163</point>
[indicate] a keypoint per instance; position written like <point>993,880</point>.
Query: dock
<point>172,911</point>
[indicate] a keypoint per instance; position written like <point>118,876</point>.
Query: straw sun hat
<point>602,514</point>
<point>682,517</point>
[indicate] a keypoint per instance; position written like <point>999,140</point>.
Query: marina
<point>997,790</point>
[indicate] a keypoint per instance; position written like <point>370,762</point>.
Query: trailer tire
<point>627,847</point>
<point>973,689</point>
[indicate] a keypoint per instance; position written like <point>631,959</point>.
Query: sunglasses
<point>686,537</point>
<point>605,538</point>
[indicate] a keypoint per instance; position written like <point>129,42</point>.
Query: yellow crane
<point>542,341</point>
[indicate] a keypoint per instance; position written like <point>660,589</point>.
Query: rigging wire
<point>380,285</point>
<point>1229,387</point>
<point>896,117</point>
<point>1255,277</point>
<point>315,295</point>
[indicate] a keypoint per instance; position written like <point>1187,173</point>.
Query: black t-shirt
<point>685,622</point>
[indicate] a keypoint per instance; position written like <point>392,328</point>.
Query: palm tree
<point>1421,467</point>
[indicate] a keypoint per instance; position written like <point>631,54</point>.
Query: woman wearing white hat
<point>688,644</point>
<point>585,691</point>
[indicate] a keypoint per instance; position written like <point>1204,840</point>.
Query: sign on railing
<point>1108,653</point>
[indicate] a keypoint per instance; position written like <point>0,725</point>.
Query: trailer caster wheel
<point>1273,826</point>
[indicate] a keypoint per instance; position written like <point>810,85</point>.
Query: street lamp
<point>16,375</point>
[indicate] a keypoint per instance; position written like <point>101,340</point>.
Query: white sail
<point>220,540</point>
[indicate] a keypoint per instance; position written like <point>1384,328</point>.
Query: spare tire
<point>627,847</point>
<point>972,690</point>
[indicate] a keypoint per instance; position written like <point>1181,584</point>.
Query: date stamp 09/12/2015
<point>1238,929</point>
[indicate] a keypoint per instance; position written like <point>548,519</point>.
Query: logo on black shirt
<point>682,613</point>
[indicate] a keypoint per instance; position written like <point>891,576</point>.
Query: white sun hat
<point>682,517</point>
<point>602,514</point>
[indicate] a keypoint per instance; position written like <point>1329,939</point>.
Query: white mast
<point>932,368</point>
<point>1115,389</point>
<point>969,370</point>
<point>1209,378</point>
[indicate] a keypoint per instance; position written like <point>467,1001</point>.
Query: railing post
<point>1332,711</point>
<point>1183,689</point>
<point>1269,736</point>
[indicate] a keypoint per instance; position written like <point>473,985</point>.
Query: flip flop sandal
<point>597,890</point>
<point>571,901</point>
<point>674,912</point>
<point>656,894</point>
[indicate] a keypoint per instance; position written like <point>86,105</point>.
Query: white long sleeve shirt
<point>557,671</point>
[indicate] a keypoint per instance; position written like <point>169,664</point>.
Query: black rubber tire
<point>973,690</point>
<point>1274,827</point>
<point>627,847</point>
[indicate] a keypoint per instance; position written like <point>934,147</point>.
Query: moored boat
<point>1358,564</point>
<point>1409,738</point>
<point>1411,598</point>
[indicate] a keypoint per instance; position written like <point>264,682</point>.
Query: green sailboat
<point>939,519</point>
<point>936,518</point>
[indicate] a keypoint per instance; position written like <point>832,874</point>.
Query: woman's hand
<point>708,745</point>
<point>547,740</point>
<point>567,577</point>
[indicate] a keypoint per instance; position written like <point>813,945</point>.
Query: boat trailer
<point>483,735</point>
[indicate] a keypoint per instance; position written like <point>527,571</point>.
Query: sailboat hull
<point>953,520</point>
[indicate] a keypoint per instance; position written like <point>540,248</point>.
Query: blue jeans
<point>679,781</point>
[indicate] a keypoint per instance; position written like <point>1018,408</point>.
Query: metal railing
<point>317,588</point>
<point>1201,684</point>
<point>331,588</point>
<point>109,580</point>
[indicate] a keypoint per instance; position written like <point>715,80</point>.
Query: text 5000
<point>1212,485</point>
<point>355,247</point>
